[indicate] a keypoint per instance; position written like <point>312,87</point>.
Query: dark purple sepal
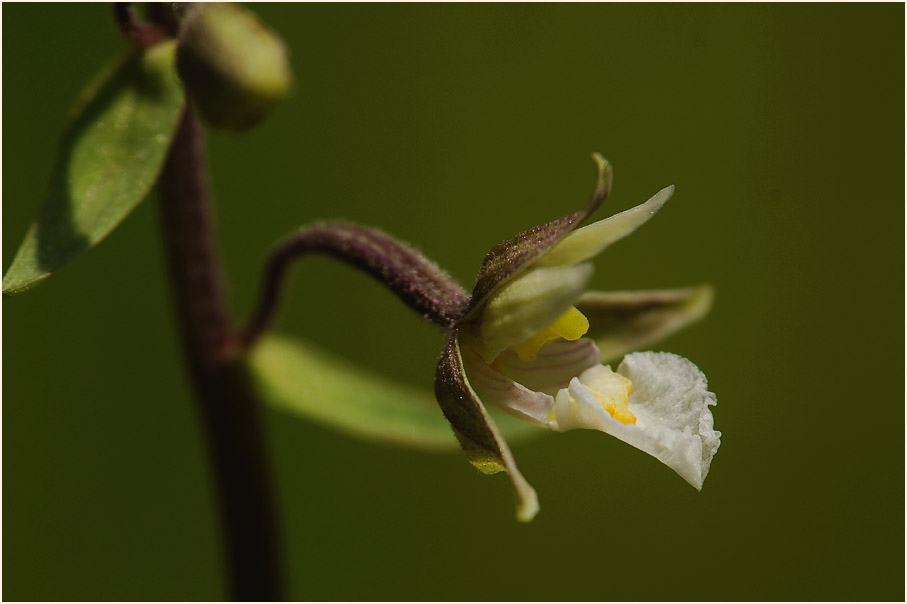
<point>508,258</point>
<point>485,448</point>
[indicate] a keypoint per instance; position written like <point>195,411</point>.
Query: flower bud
<point>235,67</point>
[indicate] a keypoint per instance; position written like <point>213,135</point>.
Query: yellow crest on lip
<point>572,325</point>
<point>618,408</point>
<point>612,391</point>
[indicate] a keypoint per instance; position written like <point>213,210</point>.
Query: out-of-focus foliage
<point>110,156</point>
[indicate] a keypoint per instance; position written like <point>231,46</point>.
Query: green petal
<point>589,241</point>
<point>475,430</point>
<point>622,322</point>
<point>298,377</point>
<point>110,157</point>
<point>528,304</point>
<point>508,258</point>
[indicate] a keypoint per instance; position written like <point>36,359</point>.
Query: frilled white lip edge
<point>671,403</point>
<point>670,400</point>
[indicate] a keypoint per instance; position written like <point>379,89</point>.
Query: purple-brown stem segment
<point>417,281</point>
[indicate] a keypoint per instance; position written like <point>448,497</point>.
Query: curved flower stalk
<point>532,342</point>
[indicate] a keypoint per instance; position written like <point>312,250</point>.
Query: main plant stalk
<point>226,404</point>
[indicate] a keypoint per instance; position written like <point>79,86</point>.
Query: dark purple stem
<point>226,402</point>
<point>415,280</point>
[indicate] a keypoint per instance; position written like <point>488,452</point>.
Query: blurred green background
<point>453,127</point>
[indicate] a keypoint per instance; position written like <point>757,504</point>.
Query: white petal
<point>590,240</point>
<point>556,364</point>
<point>670,401</point>
<point>528,304</point>
<point>492,387</point>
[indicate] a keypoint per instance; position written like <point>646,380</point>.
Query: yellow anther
<point>572,325</point>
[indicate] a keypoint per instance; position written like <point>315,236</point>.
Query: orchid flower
<point>533,342</point>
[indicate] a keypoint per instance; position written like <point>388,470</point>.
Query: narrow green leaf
<point>110,157</point>
<point>297,377</point>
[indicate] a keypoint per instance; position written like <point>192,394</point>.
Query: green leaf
<point>298,377</point>
<point>110,157</point>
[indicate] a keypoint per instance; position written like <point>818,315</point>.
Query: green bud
<point>235,67</point>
